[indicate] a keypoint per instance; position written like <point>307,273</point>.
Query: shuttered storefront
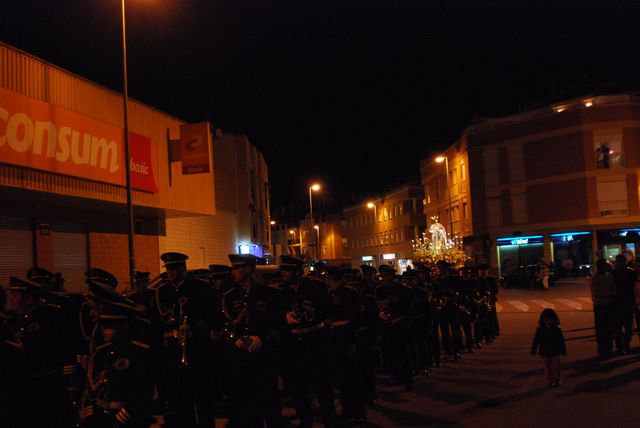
<point>70,258</point>
<point>16,248</point>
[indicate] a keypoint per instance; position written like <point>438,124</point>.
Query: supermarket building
<point>62,177</point>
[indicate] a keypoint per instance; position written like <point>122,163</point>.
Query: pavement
<point>501,385</point>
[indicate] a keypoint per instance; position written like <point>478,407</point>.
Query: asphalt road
<point>502,386</point>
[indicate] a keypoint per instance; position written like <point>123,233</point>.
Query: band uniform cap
<point>201,273</point>
<point>483,266</point>
<point>289,262</point>
<point>111,310</point>
<point>171,258</point>
<point>19,284</point>
<point>101,275</point>
<point>335,272</point>
<point>219,271</point>
<point>386,269</point>
<point>242,260</point>
<point>319,266</point>
<point>40,276</point>
<point>410,274</point>
<point>101,291</point>
<point>368,269</point>
<point>421,267</point>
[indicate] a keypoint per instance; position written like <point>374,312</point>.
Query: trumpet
<point>183,334</point>
<point>157,281</point>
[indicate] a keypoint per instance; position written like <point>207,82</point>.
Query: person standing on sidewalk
<point>625,279</point>
<point>549,343</point>
<point>603,293</point>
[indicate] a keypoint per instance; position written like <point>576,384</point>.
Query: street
<point>502,386</point>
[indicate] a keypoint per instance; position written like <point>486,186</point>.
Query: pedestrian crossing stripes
<point>544,304</point>
<point>519,305</point>
<point>570,303</point>
<point>533,305</point>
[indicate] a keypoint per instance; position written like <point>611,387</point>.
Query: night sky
<point>352,93</point>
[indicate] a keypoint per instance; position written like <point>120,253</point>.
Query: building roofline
<point>87,80</point>
<point>385,195</point>
<point>583,102</point>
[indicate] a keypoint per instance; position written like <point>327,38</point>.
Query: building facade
<point>62,177</point>
<point>447,192</point>
<point>242,188</point>
<point>559,183</point>
<point>381,230</point>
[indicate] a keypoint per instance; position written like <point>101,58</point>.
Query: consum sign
<point>42,136</point>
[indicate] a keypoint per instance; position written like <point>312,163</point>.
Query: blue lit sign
<point>567,237</point>
<point>520,240</point>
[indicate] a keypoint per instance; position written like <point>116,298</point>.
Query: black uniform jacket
<point>258,311</point>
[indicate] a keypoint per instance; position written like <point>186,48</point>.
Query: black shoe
<point>457,356</point>
<point>372,404</point>
<point>470,350</point>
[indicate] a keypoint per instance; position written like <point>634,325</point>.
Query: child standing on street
<point>549,343</point>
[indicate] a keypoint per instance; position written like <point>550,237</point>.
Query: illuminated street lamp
<point>272,222</point>
<point>445,159</point>
<point>371,205</point>
<point>313,188</point>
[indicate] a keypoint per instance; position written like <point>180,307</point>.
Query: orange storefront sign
<point>195,140</point>
<point>39,135</point>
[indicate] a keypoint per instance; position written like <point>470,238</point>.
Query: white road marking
<point>519,305</point>
<point>571,303</point>
<point>544,304</point>
<point>498,307</point>
<point>586,300</point>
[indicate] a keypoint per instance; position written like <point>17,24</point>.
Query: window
<point>407,206</point>
<point>463,171</point>
<point>428,194</point>
<point>607,148</point>
<point>519,208</point>
<point>491,167</point>
<point>453,176</point>
<point>494,212</point>
<point>613,198</point>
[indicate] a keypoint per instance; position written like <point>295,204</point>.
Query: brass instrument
<point>303,314</point>
<point>157,281</point>
<point>183,334</point>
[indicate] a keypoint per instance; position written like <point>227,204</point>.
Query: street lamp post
<point>127,155</point>
<point>313,188</point>
<point>445,159</point>
<point>317,228</point>
<point>375,218</point>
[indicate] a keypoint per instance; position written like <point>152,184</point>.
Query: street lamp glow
<point>315,187</point>
<point>292,232</point>
<point>440,159</point>
<point>273,222</point>
<point>316,227</point>
<point>370,205</point>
